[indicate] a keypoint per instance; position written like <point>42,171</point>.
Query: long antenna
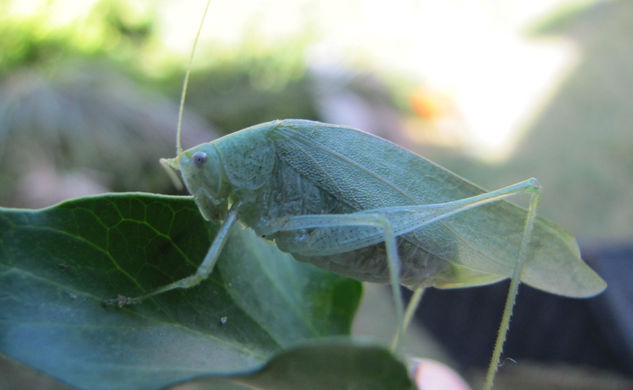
<point>185,83</point>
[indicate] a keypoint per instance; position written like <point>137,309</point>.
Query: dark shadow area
<point>545,328</point>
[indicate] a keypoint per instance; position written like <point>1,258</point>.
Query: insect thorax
<point>288,193</point>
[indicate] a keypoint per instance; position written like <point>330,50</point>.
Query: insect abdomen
<point>369,264</point>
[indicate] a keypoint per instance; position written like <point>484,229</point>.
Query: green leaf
<point>57,265</point>
<point>335,364</point>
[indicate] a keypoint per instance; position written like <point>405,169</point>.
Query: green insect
<point>358,205</point>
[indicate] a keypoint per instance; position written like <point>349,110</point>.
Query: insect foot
<point>120,301</point>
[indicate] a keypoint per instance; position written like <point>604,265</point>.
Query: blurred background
<point>495,91</point>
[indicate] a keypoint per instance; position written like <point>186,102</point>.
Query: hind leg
<point>385,232</point>
<point>535,194</point>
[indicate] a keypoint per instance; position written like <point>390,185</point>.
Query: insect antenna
<point>185,83</point>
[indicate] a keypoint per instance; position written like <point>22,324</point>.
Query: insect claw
<point>120,301</point>
<point>505,360</point>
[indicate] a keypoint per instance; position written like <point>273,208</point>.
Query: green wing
<point>367,172</point>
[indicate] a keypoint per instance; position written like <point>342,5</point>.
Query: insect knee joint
<point>380,221</point>
<point>534,185</point>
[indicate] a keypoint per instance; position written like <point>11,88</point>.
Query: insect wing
<point>366,172</point>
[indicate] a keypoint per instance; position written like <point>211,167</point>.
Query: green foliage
<point>107,28</point>
<point>58,264</point>
<point>65,98</point>
<point>356,366</point>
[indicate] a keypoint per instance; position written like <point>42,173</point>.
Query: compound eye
<point>199,158</point>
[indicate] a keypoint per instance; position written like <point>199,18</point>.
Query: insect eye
<point>199,158</point>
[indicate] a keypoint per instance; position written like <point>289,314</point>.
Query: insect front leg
<point>202,273</point>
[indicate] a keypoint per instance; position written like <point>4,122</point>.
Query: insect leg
<point>412,306</point>
<point>404,219</point>
<point>203,271</point>
<point>535,194</point>
<point>376,220</point>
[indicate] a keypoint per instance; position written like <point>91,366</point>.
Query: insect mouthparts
<point>170,163</point>
<point>171,166</point>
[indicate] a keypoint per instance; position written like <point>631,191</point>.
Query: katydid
<point>358,205</point>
